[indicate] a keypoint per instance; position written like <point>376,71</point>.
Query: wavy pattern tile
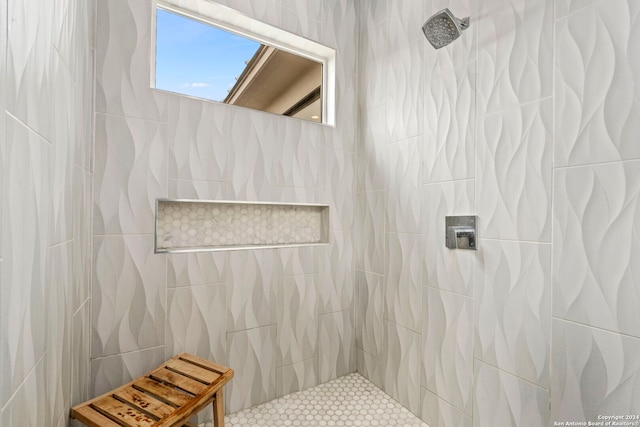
<point>372,88</point>
<point>62,153</point>
<point>401,363</point>
<point>252,355</point>
<point>29,80</point>
<point>297,318</point>
<point>598,122</point>
<point>24,240</point>
<point>301,21</point>
<point>81,354</point>
<point>597,218</point>
<point>123,45</point>
<point>369,313</point>
<point>596,372</point>
<point>203,190</point>
<point>403,280</point>
<point>371,150</point>
<point>338,276</point>
<point>128,295</point>
<point>504,400</point>
<point>513,308</point>
<point>57,358</point>
<point>197,322</point>
<point>256,136</point>
<point>515,53</point>
<point>198,148</point>
<point>404,48</point>
<point>131,173</point>
<point>251,292</point>
<point>301,260</point>
<point>199,268</point>
<point>82,200</point>
<point>447,347</point>
<point>449,126</point>
<point>339,21</point>
<point>565,7</point>
<point>266,11</point>
<point>110,372</point>
<point>336,345</point>
<point>27,406</point>
<point>403,181</point>
<point>444,268</point>
<point>370,215</point>
<point>440,413</point>
<point>370,367</point>
<point>339,185</point>
<point>301,159</point>
<point>296,377</point>
<point>514,173</point>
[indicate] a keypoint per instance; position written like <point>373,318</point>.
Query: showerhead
<point>443,28</point>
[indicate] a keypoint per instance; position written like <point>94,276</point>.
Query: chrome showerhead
<point>443,28</point>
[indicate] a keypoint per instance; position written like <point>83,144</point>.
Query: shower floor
<point>346,401</point>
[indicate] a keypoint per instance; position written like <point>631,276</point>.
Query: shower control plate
<point>460,232</point>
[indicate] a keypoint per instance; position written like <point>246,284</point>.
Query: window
<point>209,51</point>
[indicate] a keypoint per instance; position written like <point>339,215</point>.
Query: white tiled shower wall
<point>527,120</point>
<point>46,133</point>
<point>282,319</point>
<point>530,121</point>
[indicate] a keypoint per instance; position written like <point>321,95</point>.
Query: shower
<point>443,28</point>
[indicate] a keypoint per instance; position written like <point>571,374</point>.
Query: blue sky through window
<point>197,59</point>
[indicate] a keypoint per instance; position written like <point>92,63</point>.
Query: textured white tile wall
<point>273,315</point>
<point>46,134</point>
<point>551,168</point>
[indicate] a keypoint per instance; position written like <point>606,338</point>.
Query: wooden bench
<point>165,397</point>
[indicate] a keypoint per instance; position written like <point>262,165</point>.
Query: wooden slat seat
<point>165,397</point>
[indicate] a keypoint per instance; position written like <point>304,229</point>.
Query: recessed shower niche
<point>212,225</point>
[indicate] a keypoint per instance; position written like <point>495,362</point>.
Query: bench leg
<point>218,409</point>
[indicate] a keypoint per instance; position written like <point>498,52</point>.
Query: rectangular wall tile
<point>128,295</point>
<point>336,345</point>
<point>81,354</point>
<point>198,149</point>
<point>452,270</point>
<point>403,280</point>
<point>440,413</point>
<point>252,356</point>
<point>370,313</point>
<point>199,268</point>
<point>82,232</point>
<point>513,308</point>
<point>25,223</point>
<point>450,121</point>
<point>403,180</point>
<point>296,377</point>
<point>370,367</point>
<point>596,372</point>
<point>197,322</point>
<point>58,356</point>
<point>401,364</point>
<point>514,173</point>
<point>338,188</point>
<point>504,400</point>
<point>251,292</point>
<point>597,240</point>
<point>111,372</point>
<point>371,149</point>
<point>29,80</point>
<point>131,173</point>
<point>597,122</point>
<point>123,49</point>
<point>27,406</point>
<point>447,347</point>
<point>369,233</point>
<point>506,77</point>
<point>297,318</point>
<point>338,275</point>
